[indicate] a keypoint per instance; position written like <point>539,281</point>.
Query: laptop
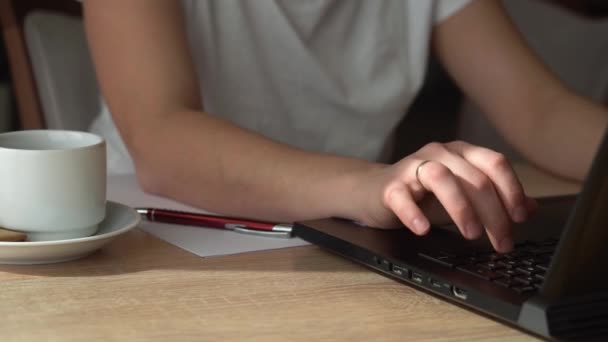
<point>553,284</point>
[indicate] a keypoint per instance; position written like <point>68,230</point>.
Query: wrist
<point>350,194</point>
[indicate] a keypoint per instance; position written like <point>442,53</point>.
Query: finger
<point>482,195</point>
<point>531,205</point>
<point>434,210</point>
<point>401,202</point>
<point>500,172</point>
<point>438,179</point>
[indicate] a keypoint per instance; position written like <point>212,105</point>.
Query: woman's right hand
<point>476,186</point>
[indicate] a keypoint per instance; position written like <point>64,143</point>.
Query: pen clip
<point>233,226</point>
<point>280,234</point>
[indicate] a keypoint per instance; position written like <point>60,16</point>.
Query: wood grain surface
<point>139,288</point>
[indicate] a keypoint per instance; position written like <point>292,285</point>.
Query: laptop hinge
<point>582,318</point>
<point>533,316</point>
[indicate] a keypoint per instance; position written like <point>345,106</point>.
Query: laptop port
<point>378,261</point>
<point>382,263</point>
<point>417,277</point>
<point>441,286</point>
<point>400,271</point>
<point>435,283</point>
<point>459,293</point>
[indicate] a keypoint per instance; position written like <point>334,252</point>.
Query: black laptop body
<point>553,284</point>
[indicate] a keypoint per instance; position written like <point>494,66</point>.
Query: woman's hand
<point>476,186</point>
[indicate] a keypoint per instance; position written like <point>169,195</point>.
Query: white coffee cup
<point>52,183</point>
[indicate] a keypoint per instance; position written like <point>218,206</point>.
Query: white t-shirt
<point>333,76</point>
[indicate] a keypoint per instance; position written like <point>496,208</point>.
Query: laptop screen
<point>579,265</point>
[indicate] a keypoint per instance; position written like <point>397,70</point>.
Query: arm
<point>147,77</point>
<point>549,124</point>
<point>180,151</point>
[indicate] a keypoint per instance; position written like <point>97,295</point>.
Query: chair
<point>53,76</point>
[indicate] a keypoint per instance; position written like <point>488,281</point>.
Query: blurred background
<point>8,113</point>
<point>45,71</point>
<point>570,36</point>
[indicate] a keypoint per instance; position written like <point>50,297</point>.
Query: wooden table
<point>140,288</point>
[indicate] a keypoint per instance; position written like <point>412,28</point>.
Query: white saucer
<point>119,220</point>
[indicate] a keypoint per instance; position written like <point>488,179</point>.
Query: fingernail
<point>505,245</point>
<point>420,225</point>
<point>473,230</point>
<point>520,214</point>
<point>531,205</point>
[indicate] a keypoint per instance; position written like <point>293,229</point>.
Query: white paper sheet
<point>200,241</point>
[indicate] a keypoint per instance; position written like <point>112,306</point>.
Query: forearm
<point>223,168</point>
<point>148,77</point>
<point>551,126</point>
<point>565,135</point>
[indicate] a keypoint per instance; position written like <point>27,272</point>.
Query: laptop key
<point>527,270</point>
<point>539,277</point>
<point>479,272</point>
<point>507,272</point>
<point>491,265</point>
<point>509,263</point>
<point>495,257</point>
<point>438,257</point>
<point>529,261</point>
<point>507,282</point>
<point>524,289</point>
<point>543,266</point>
<point>504,282</point>
<point>443,259</point>
<point>472,259</point>
<point>456,261</point>
<point>525,280</point>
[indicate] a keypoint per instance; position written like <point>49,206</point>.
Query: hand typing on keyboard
<point>475,186</point>
<point>522,270</point>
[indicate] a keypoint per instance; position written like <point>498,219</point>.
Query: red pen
<point>238,225</point>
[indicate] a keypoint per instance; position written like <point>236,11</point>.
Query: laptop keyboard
<point>521,270</point>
